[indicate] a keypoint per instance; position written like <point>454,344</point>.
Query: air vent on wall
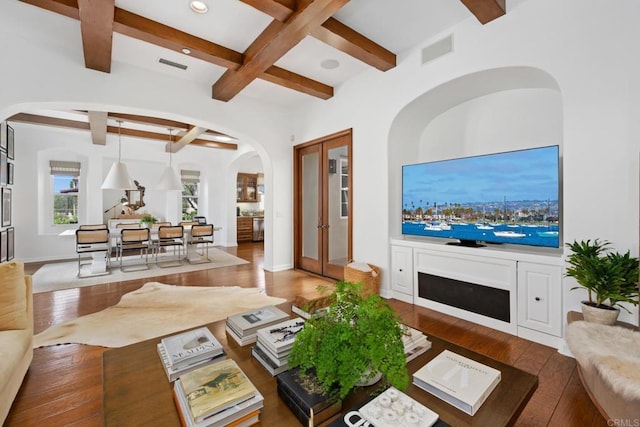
<point>172,64</point>
<point>437,49</point>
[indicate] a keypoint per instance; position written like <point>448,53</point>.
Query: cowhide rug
<point>154,310</point>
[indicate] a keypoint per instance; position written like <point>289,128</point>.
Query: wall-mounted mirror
<point>135,198</point>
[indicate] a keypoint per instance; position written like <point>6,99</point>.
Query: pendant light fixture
<point>118,177</point>
<point>169,181</point>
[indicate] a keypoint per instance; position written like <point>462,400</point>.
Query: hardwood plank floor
<point>64,384</point>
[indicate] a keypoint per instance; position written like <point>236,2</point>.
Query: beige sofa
<point>609,366</point>
<point>16,331</point>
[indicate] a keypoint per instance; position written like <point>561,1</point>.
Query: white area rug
<point>62,275</point>
<point>154,310</point>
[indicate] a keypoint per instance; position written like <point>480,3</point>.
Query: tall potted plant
<point>610,278</point>
<point>358,338</point>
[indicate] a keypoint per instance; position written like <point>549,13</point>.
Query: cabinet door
<point>402,269</point>
<point>540,297</point>
<point>247,187</point>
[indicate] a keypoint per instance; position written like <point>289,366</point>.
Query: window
<point>190,183</point>
<point>344,188</point>
<point>65,178</point>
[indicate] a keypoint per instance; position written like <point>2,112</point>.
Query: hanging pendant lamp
<point>118,177</point>
<point>169,181</point>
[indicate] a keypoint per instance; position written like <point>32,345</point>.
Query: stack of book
<point>303,395</point>
<point>243,327</point>
<point>415,342</point>
<point>189,350</point>
<point>458,380</point>
<point>306,307</point>
<point>274,345</point>
<point>217,394</point>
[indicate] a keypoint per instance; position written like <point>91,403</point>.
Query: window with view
<point>65,177</point>
<point>190,183</point>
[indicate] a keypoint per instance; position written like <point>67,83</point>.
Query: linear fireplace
<point>483,300</point>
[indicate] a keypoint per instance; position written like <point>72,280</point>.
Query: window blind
<point>58,167</point>
<point>190,177</point>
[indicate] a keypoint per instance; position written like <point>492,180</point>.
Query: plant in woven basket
<point>358,338</point>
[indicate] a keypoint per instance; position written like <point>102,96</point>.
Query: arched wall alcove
<point>487,111</point>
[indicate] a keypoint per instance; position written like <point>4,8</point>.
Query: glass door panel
<point>337,207</point>
<point>310,206</point>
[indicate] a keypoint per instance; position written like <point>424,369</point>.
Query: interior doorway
<point>322,204</point>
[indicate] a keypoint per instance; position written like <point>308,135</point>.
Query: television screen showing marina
<point>509,197</point>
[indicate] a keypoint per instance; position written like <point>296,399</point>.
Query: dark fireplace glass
<point>484,300</point>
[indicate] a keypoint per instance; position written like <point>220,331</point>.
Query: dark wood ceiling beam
<point>297,82</point>
<point>135,133</point>
<point>486,10</point>
<point>277,9</point>
<point>334,33</point>
<point>48,121</point>
<point>276,40</point>
<point>146,120</point>
<point>156,121</point>
<point>96,27</point>
<point>74,124</point>
<point>138,27</point>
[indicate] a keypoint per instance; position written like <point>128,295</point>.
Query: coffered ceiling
<point>282,52</point>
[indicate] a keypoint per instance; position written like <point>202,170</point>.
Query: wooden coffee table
<point>137,392</point>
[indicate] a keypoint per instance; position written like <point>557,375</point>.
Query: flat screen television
<point>508,197</point>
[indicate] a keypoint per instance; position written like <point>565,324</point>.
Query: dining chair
<point>200,219</point>
<point>201,236</point>
<point>134,239</point>
<point>170,236</point>
<point>93,242</point>
<point>92,227</point>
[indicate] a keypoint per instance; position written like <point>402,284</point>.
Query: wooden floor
<point>64,384</point>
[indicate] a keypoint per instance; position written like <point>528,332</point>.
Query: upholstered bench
<point>16,331</point>
<point>609,366</point>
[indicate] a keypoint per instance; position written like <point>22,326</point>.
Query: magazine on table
<point>191,346</point>
<point>245,413</point>
<point>250,321</point>
<point>214,388</point>
<point>174,373</point>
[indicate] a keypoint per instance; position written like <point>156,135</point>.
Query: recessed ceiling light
<point>329,64</point>
<point>186,50</point>
<point>199,6</point>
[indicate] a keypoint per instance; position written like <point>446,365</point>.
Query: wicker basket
<point>369,279</point>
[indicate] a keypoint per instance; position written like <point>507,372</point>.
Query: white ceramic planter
<point>600,315</point>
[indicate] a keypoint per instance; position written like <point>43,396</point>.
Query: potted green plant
<point>147,220</point>
<point>356,340</point>
<point>610,278</point>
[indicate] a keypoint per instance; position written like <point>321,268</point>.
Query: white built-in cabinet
<point>533,280</point>
<point>540,297</point>
<point>402,273</point>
